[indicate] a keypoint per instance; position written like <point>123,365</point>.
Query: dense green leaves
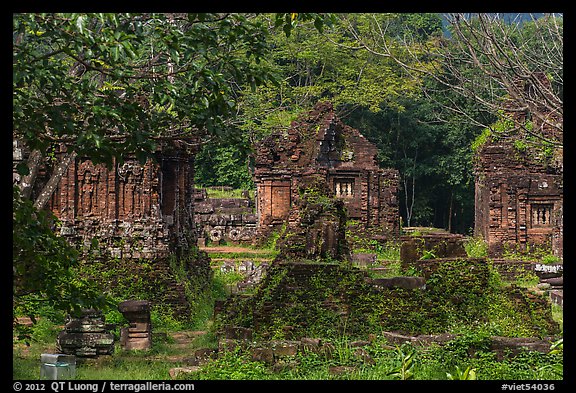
<point>113,84</point>
<point>42,265</point>
<point>109,86</point>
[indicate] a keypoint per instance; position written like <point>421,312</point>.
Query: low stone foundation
<point>302,298</point>
<point>231,220</point>
<point>278,352</point>
<point>430,246</point>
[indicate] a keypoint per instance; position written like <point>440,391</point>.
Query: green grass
<point>389,362</point>
<point>222,194</point>
<point>243,255</point>
<point>433,363</point>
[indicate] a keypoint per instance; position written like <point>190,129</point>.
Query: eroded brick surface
<point>133,210</point>
<point>519,188</point>
<point>319,144</point>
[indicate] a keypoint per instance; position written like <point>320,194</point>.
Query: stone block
<point>88,336</point>
<point>177,372</point>
<point>138,336</point>
<point>557,297</point>
<point>408,282</point>
<point>284,348</point>
<point>312,342</point>
<point>263,354</point>
<point>238,333</point>
<point>364,259</point>
<point>227,344</point>
<point>134,306</point>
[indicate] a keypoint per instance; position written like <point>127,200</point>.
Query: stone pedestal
<point>88,336</point>
<point>139,334</point>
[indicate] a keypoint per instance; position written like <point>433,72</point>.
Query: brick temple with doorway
<point>320,143</point>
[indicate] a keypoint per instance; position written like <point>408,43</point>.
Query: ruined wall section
<point>319,143</point>
<point>133,210</point>
<point>139,217</point>
<point>519,184</point>
<point>519,200</point>
<point>228,219</point>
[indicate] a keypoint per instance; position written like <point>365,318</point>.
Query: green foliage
<point>315,65</point>
<point>224,165</point>
<point>113,82</point>
<point>481,140</point>
<point>469,374</point>
<point>45,267</point>
<point>460,295</point>
<point>527,280</point>
<point>219,192</point>
<point>428,254</point>
<point>530,252</point>
<point>405,359</point>
<point>456,359</point>
<point>476,247</point>
<point>233,365</point>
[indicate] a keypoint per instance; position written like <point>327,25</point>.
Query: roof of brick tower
<point>319,138</point>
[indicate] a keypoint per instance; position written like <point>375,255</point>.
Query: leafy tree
<point>111,85</point>
<point>223,164</point>
<point>492,60</point>
<point>108,85</point>
<point>43,274</point>
<point>313,65</point>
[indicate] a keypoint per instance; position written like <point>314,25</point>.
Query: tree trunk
<point>50,187</point>
<point>28,180</point>
<point>450,211</point>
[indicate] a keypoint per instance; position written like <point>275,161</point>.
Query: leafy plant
<point>558,368</point>
<point>428,254</point>
<point>45,266</point>
<point>468,374</point>
<point>476,247</point>
<point>405,357</point>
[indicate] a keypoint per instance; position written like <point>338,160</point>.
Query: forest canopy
<point>422,87</point>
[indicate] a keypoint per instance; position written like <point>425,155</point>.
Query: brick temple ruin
<point>136,212</point>
<point>133,210</point>
<point>319,143</point>
<point>519,190</point>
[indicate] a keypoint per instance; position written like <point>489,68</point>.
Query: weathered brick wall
<point>133,210</point>
<point>142,219</point>
<point>519,200</point>
<point>319,143</point>
<point>519,187</point>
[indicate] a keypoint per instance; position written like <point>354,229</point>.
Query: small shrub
<point>233,365</point>
<point>476,247</point>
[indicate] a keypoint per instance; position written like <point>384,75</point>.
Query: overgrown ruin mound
<point>311,299</point>
<point>316,226</point>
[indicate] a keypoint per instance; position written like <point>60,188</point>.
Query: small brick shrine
<point>519,189</point>
<point>320,143</point>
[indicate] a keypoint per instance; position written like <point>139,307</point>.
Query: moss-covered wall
<point>303,299</point>
<point>173,285</point>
